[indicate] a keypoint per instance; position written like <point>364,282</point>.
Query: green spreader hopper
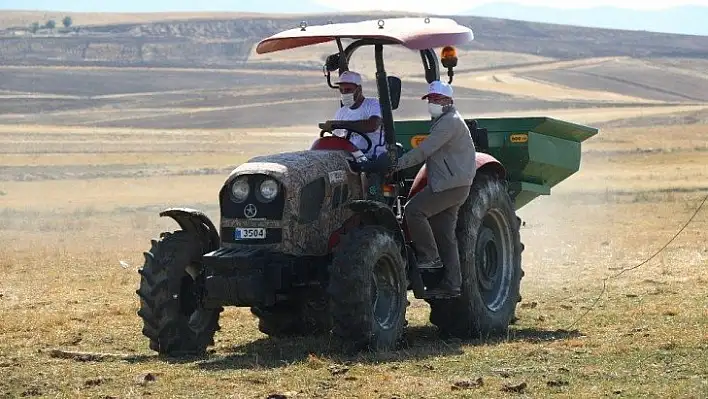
<point>537,152</point>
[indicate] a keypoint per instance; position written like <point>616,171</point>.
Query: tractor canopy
<point>413,33</point>
<point>422,34</point>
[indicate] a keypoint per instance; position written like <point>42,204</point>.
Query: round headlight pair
<point>268,189</point>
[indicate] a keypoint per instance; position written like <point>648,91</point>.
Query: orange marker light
<point>448,57</point>
<point>448,52</point>
<point>388,190</point>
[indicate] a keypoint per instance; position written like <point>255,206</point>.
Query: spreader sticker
<point>519,138</point>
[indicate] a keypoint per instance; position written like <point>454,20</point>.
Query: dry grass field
<point>76,201</point>
<point>89,155</point>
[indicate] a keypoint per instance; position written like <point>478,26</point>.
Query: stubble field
<point>79,201</point>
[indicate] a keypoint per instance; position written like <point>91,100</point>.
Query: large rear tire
<point>367,290</point>
<point>490,259</point>
<point>170,289</point>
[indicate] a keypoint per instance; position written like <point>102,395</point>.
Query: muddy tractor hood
<point>294,169</point>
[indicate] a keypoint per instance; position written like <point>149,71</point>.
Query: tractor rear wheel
<point>490,259</point>
<point>367,290</point>
<point>170,288</point>
<point>306,314</point>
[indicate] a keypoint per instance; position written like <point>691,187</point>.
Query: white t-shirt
<point>370,107</point>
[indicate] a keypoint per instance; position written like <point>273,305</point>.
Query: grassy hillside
<point>228,41</point>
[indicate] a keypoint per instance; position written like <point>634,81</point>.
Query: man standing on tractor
<point>449,154</point>
<point>364,111</point>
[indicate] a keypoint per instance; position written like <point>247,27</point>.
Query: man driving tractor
<point>365,111</point>
<point>449,154</point>
<point>305,239</point>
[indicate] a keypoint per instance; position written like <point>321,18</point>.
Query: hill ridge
<point>228,42</point>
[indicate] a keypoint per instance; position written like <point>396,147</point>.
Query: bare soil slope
<point>172,98</point>
<point>149,98</point>
<point>195,71</point>
<point>643,78</point>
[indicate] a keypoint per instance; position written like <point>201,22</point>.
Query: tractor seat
<point>333,143</point>
<point>480,136</point>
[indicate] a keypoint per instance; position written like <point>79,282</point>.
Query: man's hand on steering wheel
<point>326,126</point>
<point>351,127</point>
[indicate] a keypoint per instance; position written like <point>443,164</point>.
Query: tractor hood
<point>295,169</point>
<point>316,184</point>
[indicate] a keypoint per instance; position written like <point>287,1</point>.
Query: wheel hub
<point>487,270</point>
<point>189,302</point>
<point>385,298</point>
<point>187,295</point>
<point>493,260</point>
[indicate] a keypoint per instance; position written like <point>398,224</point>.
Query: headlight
<point>239,189</point>
<point>269,189</point>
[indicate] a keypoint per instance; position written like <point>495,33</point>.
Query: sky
<point>454,6</point>
<point>617,14</point>
<point>450,6</point>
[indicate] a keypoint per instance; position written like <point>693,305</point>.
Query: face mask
<point>348,99</point>
<point>435,109</point>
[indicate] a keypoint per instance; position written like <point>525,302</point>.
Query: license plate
<point>250,233</point>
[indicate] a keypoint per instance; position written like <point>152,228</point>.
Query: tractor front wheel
<point>490,259</point>
<point>367,290</point>
<point>170,306</point>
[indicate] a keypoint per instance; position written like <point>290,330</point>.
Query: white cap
<point>438,87</point>
<point>350,77</point>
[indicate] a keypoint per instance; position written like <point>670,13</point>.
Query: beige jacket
<point>448,152</point>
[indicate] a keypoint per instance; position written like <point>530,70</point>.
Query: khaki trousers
<point>431,219</point>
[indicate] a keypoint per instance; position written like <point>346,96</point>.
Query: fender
<point>485,163</point>
<point>379,214</point>
<point>197,222</point>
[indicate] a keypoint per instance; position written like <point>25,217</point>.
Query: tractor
<point>314,245</point>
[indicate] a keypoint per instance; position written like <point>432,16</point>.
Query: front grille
<point>269,211</point>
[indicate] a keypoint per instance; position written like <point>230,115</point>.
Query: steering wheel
<point>344,125</point>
